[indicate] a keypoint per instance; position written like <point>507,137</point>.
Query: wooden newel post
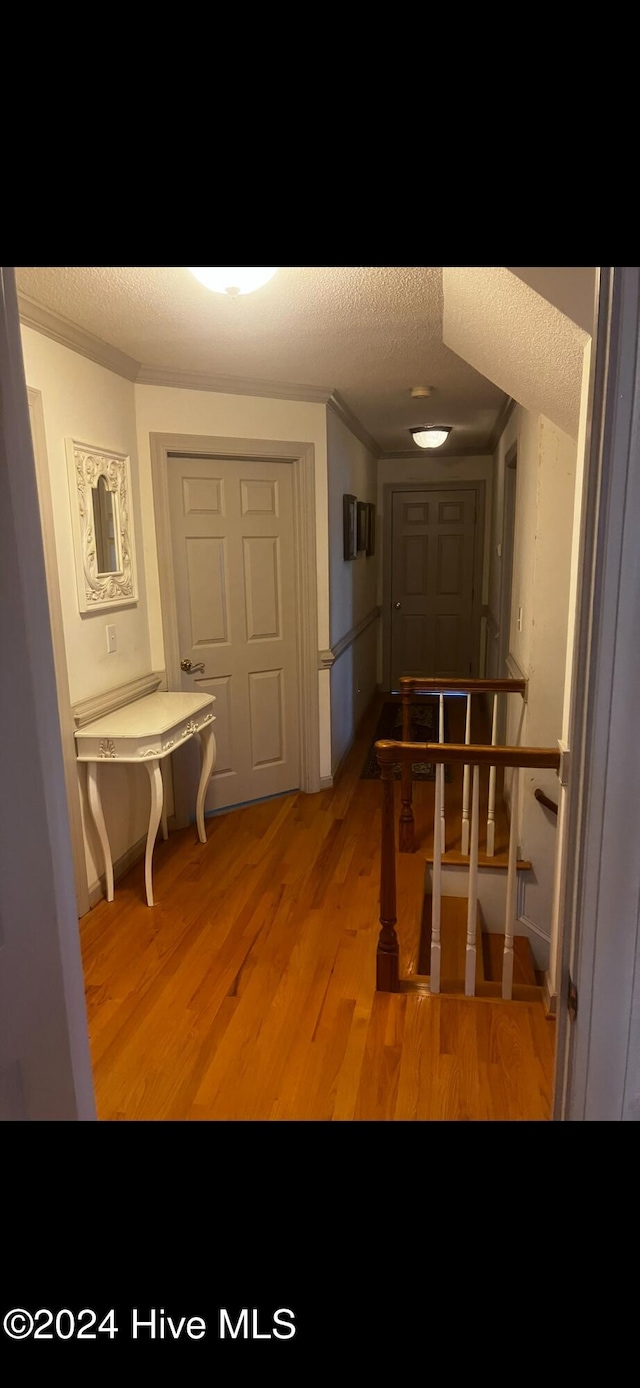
<point>387,959</point>
<point>407,837</point>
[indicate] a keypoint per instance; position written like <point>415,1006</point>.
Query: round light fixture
<point>420,392</point>
<point>233,280</point>
<point>431,435</point>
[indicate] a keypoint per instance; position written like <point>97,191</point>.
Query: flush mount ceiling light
<point>431,435</point>
<point>233,280</point>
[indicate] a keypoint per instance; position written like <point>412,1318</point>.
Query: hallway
<point>247,992</point>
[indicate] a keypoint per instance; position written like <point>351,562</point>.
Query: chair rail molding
<point>326,659</point>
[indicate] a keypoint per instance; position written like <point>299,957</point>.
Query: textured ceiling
<point>520,340</point>
<point>369,332</point>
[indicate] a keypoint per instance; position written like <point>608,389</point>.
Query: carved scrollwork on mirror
<point>101,507</point>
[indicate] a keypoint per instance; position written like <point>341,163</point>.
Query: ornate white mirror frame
<point>85,466</point>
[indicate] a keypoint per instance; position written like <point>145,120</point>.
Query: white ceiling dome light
<point>431,435</point>
<point>233,280</point>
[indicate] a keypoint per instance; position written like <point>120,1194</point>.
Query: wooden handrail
<point>544,800</point>
<point>411,688</point>
<point>389,752</point>
<point>412,684</point>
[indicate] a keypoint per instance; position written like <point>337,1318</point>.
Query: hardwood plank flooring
<point>247,992</point>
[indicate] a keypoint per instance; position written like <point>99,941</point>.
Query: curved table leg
<point>95,805</point>
<point>208,744</point>
<point>165,827</point>
<point>155,777</point>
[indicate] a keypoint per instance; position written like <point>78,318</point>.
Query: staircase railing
<point>389,754</point>
<point>411,687</point>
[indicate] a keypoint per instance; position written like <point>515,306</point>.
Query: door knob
<point>397,604</point>
<point>188,668</point>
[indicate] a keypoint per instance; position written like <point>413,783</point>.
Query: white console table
<point>147,731</point>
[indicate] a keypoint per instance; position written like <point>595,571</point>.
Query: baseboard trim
<point>530,925</point>
<point>337,769</point>
<point>326,782</point>
<point>549,998</point>
<point>122,865</point>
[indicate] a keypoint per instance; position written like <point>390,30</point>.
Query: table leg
<point>165,827</point>
<point>155,777</point>
<point>95,805</point>
<point>208,745</point>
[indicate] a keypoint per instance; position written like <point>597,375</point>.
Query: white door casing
<point>302,700</point>
<point>45,1067</point>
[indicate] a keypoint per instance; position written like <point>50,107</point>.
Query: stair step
<point>489,953</point>
<point>523,965</point>
<point>499,862</point>
<point>453,937</point>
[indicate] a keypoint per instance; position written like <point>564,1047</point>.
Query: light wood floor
<point>247,992</point>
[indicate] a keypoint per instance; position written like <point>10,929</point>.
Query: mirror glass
<point>106,529</point>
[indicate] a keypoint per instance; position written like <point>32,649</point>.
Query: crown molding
<point>232,385</point>
<point>346,415</point>
<point>502,420</point>
<point>422,454</point>
<point>60,329</point>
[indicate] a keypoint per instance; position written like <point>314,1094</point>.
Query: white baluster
<point>510,909</point>
<point>440,775</point>
<point>436,898</point>
<point>472,913</point>
<point>491,808</point>
<point>466,784</point>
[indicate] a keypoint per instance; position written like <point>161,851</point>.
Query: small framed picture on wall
<point>363,525</point>
<point>371,529</point>
<point>350,524</point>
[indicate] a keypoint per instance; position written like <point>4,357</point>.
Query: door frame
<point>67,725</point>
<point>508,551</point>
<point>598,1054</point>
<point>477,485</point>
<point>301,456</point>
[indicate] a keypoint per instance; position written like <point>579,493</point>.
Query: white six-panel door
<point>233,557</point>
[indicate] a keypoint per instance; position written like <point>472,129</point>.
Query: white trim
<point>598,1065</point>
<point>516,672</point>
<point>60,329</point>
<point>531,925</point>
<point>301,456</point>
<point>97,707</point>
<point>44,1022</point>
<point>121,866</point>
<point>420,454</point>
<point>549,998</point>
<point>53,325</point>
<point>36,414</point>
<point>340,408</point>
<point>350,636</point>
<point>502,419</point>
<point>231,385</point>
<point>326,782</point>
<point>564,769</point>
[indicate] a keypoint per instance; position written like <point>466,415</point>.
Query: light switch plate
<point>111,640</point>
